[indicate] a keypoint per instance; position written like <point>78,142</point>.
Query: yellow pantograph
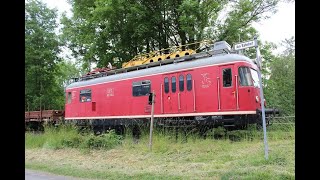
<point>163,54</point>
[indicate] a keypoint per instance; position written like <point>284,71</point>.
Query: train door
<point>69,103</point>
<point>227,88</point>
<point>85,102</point>
<point>185,94</point>
<point>169,94</point>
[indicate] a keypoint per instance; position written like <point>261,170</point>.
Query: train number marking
<point>110,92</point>
<point>206,82</point>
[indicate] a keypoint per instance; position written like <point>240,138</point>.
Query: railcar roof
<point>223,58</point>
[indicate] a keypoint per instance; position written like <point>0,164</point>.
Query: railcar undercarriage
<point>187,124</point>
<point>229,122</point>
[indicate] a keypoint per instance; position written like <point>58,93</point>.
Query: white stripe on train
<point>169,115</point>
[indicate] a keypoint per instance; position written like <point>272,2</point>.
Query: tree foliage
<point>280,91</point>
<point>101,31</point>
<point>41,49</point>
<point>241,16</point>
<point>67,70</point>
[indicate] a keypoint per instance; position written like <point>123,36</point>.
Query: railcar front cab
<point>248,90</point>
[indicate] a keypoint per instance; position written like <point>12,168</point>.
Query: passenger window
<point>245,76</point>
<point>166,85</point>
<point>189,82</point>
<point>69,98</point>
<point>181,83</point>
<point>173,84</point>
<point>141,88</point>
<point>227,77</point>
<point>85,95</point>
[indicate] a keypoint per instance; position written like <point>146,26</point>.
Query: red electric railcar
<point>216,86</point>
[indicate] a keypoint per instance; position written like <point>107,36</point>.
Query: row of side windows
<point>174,84</point>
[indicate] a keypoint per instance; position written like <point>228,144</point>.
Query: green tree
<point>280,91</point>
<point>242,13</point>
<point>103,30</point>
<point>67,71</point>
<point>41,49</point>
<point>289,45</point>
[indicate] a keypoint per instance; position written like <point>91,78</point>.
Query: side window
<point>189,82</point>
<point>244,76</point>
<point>166,85</point>
<point>85,95</point>
<point>173,84</point>
<point>227,77</point>
<point>141,88</point>
<point>69,98</point>
<point>181,83</point>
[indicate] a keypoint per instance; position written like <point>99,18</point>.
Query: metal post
<point>218,93</point>
<point>151,123</point>
<point>161,100</point>
<point>40,101</point>
<point>240,51</point>
<point>262,100</point>
<point>40,110</point>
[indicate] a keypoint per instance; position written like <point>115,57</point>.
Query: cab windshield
<point>255,78</point>
<point>245,77</point>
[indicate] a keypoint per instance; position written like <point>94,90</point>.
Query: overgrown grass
<point>235,155</point>
<point>67,136</point>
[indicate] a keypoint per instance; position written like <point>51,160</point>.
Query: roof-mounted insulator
<point>221,47</point>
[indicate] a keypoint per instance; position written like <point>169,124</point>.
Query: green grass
<point>237,155</point>
<point>68,136</point>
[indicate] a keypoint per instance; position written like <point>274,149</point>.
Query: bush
<point>103,141</point>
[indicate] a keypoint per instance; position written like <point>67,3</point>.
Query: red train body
<point>214,86</point>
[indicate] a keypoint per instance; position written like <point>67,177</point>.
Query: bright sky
<point>279,26</point>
